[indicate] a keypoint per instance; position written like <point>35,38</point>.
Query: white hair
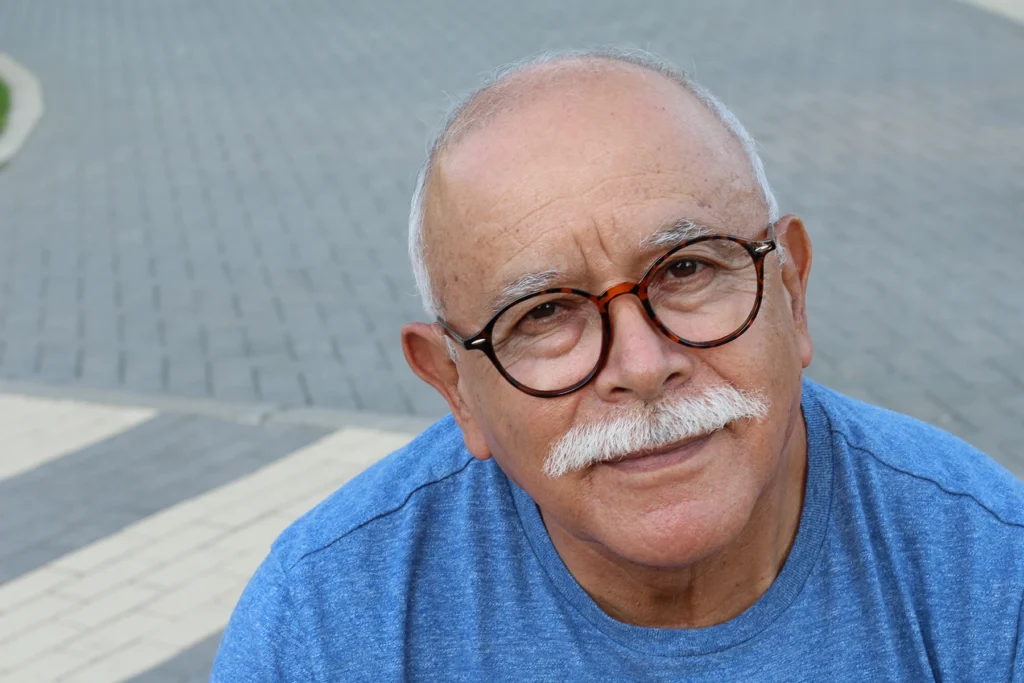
<point>462,118</point>
<point>646,427</point>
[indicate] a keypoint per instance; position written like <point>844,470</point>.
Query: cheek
<point>519,428</point>
<point>766,359</point>
<point>750,362</point>
<point>766,356</point>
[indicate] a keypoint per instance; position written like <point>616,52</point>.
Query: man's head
<point>578,171</point>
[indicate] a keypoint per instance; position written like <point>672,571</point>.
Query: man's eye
<point>545,310</point>
<point>685,268</point>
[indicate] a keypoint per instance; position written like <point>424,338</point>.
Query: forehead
<point>574,178</point>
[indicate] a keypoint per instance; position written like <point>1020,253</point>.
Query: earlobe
<point>427,356</point>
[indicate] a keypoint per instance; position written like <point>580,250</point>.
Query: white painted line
<point>26,106</point>
<point>1009,9</point>
<point>135,599</point>
<point>36,431</point>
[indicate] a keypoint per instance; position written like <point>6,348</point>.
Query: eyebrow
<point>671,234</point>
<point>523,285</point>
<point>674,233</point>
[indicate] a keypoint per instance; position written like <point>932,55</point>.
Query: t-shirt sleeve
<point>263,641</point>
<point>1017,669</point>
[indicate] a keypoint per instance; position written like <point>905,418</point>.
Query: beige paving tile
<point>82,562</point>
<point>52,667</point>
<point>108,606</point>
<point>103,578</point>
<point>243,565</point>
<point>259,534</point>
<point>31,613</point>
<point>114,635</point>
<point>37,642</point>
<point>30,436</point>
<point>180,633</point>
<point>189,567</point>
<point>33,585</point>
<point>192,595</point>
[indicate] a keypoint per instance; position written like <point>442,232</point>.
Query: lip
<point>661,458</point>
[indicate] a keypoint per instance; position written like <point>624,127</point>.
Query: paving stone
<point>164,209</point>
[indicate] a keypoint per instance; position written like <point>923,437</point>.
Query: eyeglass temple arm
<point>468,344</point>
<point>770,243</point>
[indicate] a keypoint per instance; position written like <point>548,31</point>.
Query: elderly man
<point>635,483</point>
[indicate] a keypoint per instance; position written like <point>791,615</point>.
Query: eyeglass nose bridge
<point>605,300</point>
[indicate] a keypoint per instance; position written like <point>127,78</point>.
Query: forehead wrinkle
<point>512,232</point>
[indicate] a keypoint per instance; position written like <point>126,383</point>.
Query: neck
<point>712,590</point>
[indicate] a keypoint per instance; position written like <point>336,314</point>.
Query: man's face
<point>574,180</point>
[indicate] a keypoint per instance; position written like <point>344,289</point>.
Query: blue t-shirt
<point>908,565</point>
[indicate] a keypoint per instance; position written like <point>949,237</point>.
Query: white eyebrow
<point>675,233</point>
<point>523,285</point>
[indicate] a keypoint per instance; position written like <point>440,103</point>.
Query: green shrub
<point>5,104</point>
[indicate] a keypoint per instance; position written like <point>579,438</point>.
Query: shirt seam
<point>920,477</point>
<point>380,515</point>
<point>294,606</point>
<point>1015,662</point>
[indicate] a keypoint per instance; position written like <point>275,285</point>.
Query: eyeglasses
<point>702,293</point>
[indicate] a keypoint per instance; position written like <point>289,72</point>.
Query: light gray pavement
<point>213,211</point>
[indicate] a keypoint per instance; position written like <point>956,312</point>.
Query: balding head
<point>515,87</point>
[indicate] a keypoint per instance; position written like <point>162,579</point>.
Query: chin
<point>676,536</point>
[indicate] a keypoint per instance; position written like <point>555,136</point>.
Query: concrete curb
<point>26,107</point>
<point>245,413</point>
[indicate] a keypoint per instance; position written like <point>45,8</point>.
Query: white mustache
<point>651,426</point>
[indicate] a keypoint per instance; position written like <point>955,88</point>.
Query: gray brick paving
<point>68,503</point>
<point>215,202</point>
<point>190,666</point>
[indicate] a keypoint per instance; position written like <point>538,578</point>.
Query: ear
<point>427,354</point>
<point>795,273</point>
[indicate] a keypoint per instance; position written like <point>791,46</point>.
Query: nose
<point>642,362</point>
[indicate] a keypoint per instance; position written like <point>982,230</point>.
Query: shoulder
<point>336,582</point>
<point>914,455</point>
<point>402,480</point>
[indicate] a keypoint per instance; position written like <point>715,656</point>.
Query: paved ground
<point>127,536</point>
<point>213,210</point>
<point>215,204</point>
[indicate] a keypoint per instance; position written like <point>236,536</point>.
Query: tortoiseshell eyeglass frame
<point>481,341</point>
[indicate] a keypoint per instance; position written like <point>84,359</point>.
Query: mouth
<point>658,458</point>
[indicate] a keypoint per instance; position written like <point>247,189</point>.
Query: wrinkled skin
<point>573,177</point>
